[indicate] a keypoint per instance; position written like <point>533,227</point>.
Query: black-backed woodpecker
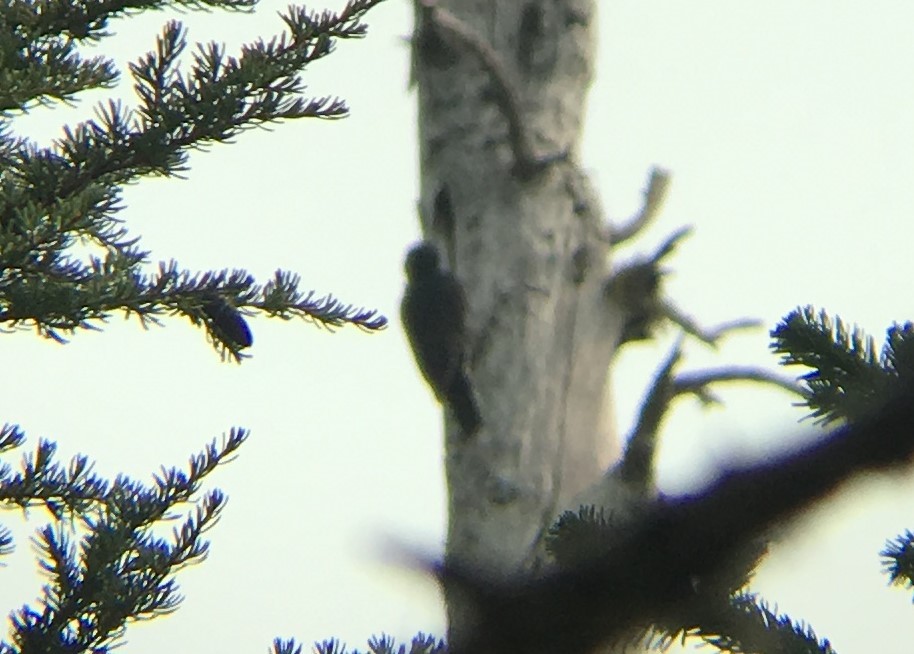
<point>433,312</point>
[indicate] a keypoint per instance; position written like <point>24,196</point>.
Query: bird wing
<point>433,316</point>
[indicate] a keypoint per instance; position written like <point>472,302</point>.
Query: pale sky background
<point>788,130</point>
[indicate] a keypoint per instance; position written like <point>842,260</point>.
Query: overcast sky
<point>788,131</point>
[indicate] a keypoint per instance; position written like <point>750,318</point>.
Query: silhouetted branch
<point>649,575</point>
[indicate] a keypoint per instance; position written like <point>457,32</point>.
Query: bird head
<point>421,261</point>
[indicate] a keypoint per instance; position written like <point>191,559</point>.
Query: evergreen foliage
<point>103,560</point>
<point>68,262</point>
<point>383,644</point>
<point>849,379</point>
<point>898,560</point>
<point>579,536</point>
<point>748,624</point>
<point>55,198</point>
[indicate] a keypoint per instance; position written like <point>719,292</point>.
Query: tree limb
<point>649,575</point>
<point>637,463</point>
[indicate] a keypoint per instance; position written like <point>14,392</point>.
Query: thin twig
<point>710,336</point>
<point>695,382</point>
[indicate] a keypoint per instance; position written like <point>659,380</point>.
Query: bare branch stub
<point>654,195</point>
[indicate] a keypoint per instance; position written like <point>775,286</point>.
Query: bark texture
<point>506,203</point>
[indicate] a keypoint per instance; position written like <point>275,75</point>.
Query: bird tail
<point>463,405</point>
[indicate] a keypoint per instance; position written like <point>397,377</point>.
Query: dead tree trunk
<point>502,88</point>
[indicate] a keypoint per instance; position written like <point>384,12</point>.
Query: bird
<point>227,323</point>
<point>433,313</point>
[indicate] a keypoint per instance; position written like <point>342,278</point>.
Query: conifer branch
<point>63,491</point>
<point>383,644</point>
<point>898,560</point>
<point>850,377</point>
<point>81,295</point>
<point>109,567</point>
<point>10,437</point>
<point>744,623</point>
<point>40,60</point>
<point>56,196</point>
<point>104,556</point>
